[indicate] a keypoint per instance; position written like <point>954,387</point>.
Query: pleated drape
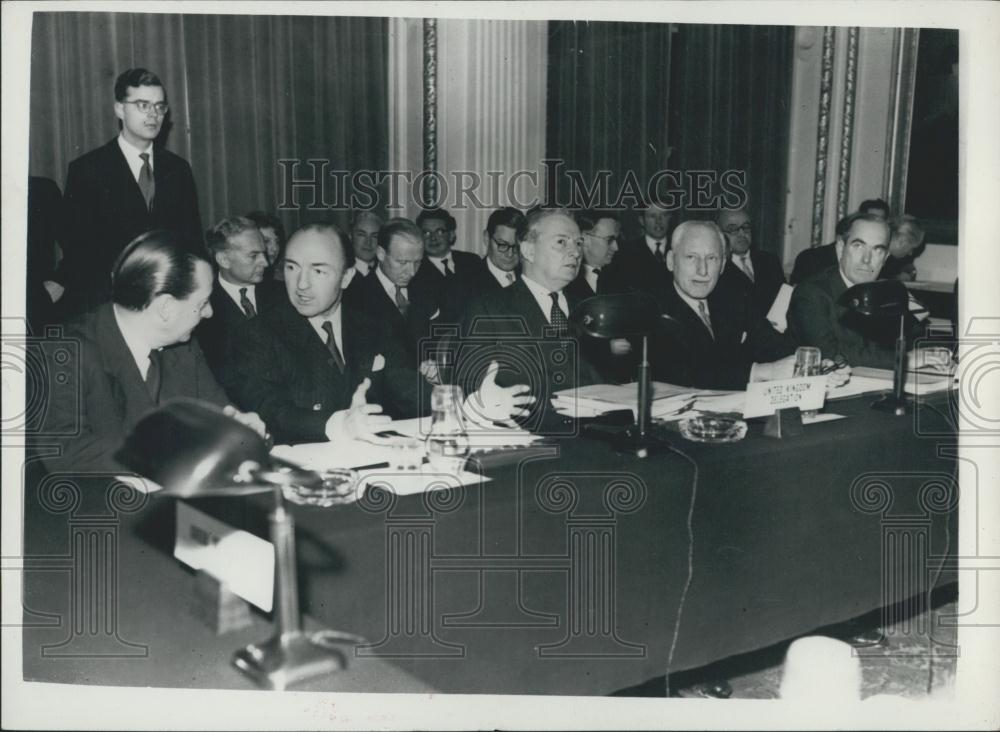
<point>244,92</point>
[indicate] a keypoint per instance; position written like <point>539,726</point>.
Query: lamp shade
<point>192,449</point>
<point>877,298</point>
<point>618,316</point>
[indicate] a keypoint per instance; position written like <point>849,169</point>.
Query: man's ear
<point>380,253</point>
<point>670,259</point>
<point>839,248</point>
<point>120,111</point>
<point>222,259</point>
<point>163,306</point>
<point>527,251</point>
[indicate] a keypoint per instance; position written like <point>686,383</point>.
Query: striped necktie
<point>245,303</point>
<point>146,183</point>
<point>703,313</point>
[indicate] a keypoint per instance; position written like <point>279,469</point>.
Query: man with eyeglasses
<point>759,272</point>
<point>501,266</point>
<point>122,189</point>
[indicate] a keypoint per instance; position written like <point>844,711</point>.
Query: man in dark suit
<point>402,308</point>
<point>816,319</point>
<point>524,327</point>
<point>640,264</point>
<point>308,365</point>
<point>451,274</point>
<point>122,189</point>
<point>501,266</point>
<point>239,292</point>
<point>136,352</point>
<point>761,270</point>
<point>364,228</point>
<point>715,343</point>
<point>818,259</point>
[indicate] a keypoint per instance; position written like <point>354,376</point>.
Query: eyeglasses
<point>745,228</point>
<point>503,247</point>
<point>145,107</point>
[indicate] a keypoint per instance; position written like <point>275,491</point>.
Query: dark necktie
<point>703,313</point>
<point>245,303</point>
<point>146,183</point>
<point>401,302</point>
<point>556,316</point>
<point>331,345</point>
<point>510,278</point>
<point>659,251</point>
<point>448,271</point>
<point>154,376</point>
<point>745,266</point>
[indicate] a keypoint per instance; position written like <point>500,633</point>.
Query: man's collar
<point>129,149</point>
<point>499,274</point>
<point>388,285</point>
<point>691,301</point>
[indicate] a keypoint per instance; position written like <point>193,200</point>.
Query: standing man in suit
<point>715,343</point>
<point>124,188</point>
<point>312,363</point>
<point>136,352</point>
<point>761,270</point>
<point>815,318</point>
<point>239,291</point>
<point>449,274</point>
<point>524,328</point>
<point>641,263</point>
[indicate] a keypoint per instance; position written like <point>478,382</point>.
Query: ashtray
<point>713,429</point>
<point>337,487</point>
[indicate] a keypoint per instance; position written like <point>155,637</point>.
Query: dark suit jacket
<point>451,293</point>
<point>613,369</point>
<point>284,372</point>
<point>815,319</point>
<point>111,392</point>
<point>768,277</point>
<point>425,309</point>
<point>688,355</point>
<point>44,215</point>
<point>215,335</point>
<point>482,280</point>
<point>635,267</point>
<point>508,326</point>
<point>105,210</point>
<point>813,261</point>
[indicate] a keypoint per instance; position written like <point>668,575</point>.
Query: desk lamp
<point>627,315</point>
<point>193,450</point>
<point>883,299</point>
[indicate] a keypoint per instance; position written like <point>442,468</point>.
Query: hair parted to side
<point>217,238</point>
<point>874,204</point>
<point>135,78</point>
<point>396,226</point>
<point>845,224</point>
<point>507,216</point>
<point>329,228</point>
<point>528,230</point>
<point>438,213</point>
<point>156,263</point>
<point>359,215</point>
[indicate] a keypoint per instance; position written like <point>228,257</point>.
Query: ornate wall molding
<point>822,136</point>
<point>429,191</point>
<point>847,123</point>
<point>897,144</point>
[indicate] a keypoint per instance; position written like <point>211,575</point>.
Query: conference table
<point>574,569</point>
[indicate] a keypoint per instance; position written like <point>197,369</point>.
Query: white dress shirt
<point>338,329</point>
<point>439,263</point>
<point>745,266</point>
<point>362,267</point>
<point>504,278</point>
<point>543,298</point>
<point>131,153</point>
<point>234,292</point>
<point>651,243</point>
<point>693,303</point>
<point>389,286</point>
<point>591,276</point>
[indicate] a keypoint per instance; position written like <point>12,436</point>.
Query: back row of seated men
<point>350,329</point>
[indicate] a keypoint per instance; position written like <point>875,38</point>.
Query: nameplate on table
<point>240,560</point>
<point>765,397</point>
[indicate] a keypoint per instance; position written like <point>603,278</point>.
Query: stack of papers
<point>668,400</point>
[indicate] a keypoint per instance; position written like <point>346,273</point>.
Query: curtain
<point>244,93</point>
<point>646,97</point>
